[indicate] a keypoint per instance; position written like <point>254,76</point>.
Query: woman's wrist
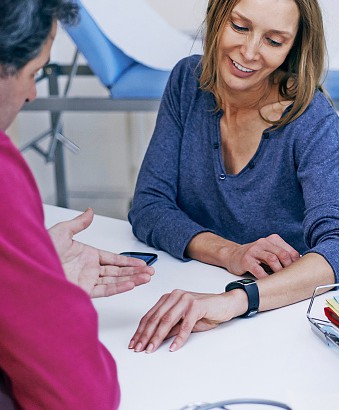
<point>224,254</point>
<point>237,301</point>
<point>210,248</point>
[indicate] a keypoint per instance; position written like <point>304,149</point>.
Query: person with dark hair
<point>50,355</point>
<point>242,168</point>
<point>24,27</point>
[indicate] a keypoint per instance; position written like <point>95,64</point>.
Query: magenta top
<point>49,347</point>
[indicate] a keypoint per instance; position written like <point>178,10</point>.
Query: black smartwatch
<point>252,292</point>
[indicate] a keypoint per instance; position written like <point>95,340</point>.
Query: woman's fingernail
<point>138,347</point>
<point>131,344</point>
<point>173,347</point>
<point>150,348</point>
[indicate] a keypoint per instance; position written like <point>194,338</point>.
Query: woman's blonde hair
<point>302,68</point>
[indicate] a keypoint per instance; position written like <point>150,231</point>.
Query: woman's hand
<point>97,272</point>
<point>270,254</point>
<point>179,313</point>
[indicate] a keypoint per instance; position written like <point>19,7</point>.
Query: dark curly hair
<point>25,26</point>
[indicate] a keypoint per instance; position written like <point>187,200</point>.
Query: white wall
<point>186,15</point>
<point>330,9</point>
<point>101,168</point>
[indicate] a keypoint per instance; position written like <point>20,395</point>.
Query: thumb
<point>81,222</point>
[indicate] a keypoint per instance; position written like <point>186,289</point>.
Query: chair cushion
<point>105,59</point>
<point>139,81</point>
<point>332,84</point>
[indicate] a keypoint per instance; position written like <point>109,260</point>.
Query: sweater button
<point>222,177</point>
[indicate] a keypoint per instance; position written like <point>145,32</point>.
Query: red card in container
<point>331,315</point>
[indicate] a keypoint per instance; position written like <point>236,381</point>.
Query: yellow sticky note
<point>333,304</point>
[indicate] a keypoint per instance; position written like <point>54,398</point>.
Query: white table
<point>273,355</point>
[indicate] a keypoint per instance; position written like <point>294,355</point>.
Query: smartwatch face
<point>247,281</point>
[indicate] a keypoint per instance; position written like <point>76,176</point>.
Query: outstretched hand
<point>97,272</point>
<point>180,313</point>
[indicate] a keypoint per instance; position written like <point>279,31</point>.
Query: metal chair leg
<point>55,152</point>
<point>58,151</point>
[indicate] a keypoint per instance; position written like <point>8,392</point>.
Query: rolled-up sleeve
<point>318,173</point>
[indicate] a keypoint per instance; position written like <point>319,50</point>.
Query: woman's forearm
<point>294,283</point>
<point>210,248</point>
<point>290,284</point>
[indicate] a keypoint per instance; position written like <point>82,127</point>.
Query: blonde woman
<point>242,169</point>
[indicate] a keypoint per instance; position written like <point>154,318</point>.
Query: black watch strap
<point>252,292</point>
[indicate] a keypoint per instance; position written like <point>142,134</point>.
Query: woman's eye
<point>238,28</point>
<point>273,43</point>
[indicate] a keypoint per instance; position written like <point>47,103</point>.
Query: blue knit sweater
<point>289,187</point>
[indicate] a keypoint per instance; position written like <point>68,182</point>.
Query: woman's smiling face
<point>255,42</point>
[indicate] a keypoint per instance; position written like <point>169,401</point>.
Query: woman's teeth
<point>241,68</point>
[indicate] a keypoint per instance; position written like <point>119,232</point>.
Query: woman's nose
<point>251,47</point>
